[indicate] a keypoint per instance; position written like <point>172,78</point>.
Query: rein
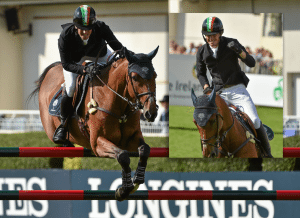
<point>135,106</point>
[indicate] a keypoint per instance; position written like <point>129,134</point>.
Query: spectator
<point>191,49</point>
<point>163,114</point>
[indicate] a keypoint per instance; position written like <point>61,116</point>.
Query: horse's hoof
<point>123,193</point>
<point>136,187</point>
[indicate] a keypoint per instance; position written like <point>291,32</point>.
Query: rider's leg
<point>66,107</point>
<point>239,97</point>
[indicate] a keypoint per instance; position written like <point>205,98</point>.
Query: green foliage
<point>291,141</point>
<point>32,139</point>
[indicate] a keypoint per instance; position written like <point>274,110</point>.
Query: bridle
<point>218,138</point>
<point>134,106</point>
<point>138,104</point>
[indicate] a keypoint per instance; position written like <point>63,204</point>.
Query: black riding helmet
<point>84,17</point>
<point>211,26</point>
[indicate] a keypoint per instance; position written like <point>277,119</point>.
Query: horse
<point>221,134</point>
<point>110,112</point>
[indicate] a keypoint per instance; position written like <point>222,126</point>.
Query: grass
<point>185,139</point>
<point>293,141</point>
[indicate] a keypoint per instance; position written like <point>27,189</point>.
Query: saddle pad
<point>54,107</point>
<point>235,112</point>
<point>269,131</point>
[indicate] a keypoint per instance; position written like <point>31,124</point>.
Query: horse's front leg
<point>144,152</point>
<point>105,148</point>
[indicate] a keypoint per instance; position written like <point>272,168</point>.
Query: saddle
<point>79,94</point>
<point>246,122</point>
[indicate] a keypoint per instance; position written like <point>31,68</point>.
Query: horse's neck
<point>117,80</point>
<point>236,129</point>
<point>224,110</point>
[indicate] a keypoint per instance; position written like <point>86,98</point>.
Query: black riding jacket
<point>225,69</point>
<point>71,46</point>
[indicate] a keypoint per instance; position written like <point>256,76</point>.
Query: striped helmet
<point>84,17</point>
<point>211,26</point>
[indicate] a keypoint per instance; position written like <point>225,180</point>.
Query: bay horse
<point>221,134</point>
<point>110,111</point>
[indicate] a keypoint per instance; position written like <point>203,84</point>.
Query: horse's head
<point>142,79</point>
<point>207,119</point>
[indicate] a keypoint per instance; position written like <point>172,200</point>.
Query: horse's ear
<point>212,96</point>
<point>129,55</point>
<point>152,54</point>
<point>194,97</point>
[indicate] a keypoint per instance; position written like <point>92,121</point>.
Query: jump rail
<point>150,195</point>
<point>291,152</point>
<point>66,152</point>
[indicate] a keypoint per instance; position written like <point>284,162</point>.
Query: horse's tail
<point>40,81</point>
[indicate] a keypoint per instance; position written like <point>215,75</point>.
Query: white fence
<point>19,121</point>
<point>291,126</point>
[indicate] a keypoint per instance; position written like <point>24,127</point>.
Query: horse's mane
<point>39,81</point>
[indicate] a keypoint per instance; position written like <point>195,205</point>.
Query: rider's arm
<point>109,36</point>
<point>201,69</point>
<point>66,58</point>
<point>245,57</point>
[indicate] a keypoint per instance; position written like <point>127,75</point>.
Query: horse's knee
<point>123,159</point>
<point>144,151</point>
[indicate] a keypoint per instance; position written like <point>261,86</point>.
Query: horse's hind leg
<point>144,152</point>
<point>106,148</point>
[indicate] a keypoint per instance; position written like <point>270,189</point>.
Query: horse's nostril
<point>147,115</point>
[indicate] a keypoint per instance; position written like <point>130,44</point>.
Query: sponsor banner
<point>108,180</point>
<point>183,77</point>
<point>35,180</point>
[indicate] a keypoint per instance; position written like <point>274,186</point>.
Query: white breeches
<point>70,78</point>
<point>239,97</point>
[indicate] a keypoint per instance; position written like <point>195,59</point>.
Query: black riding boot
<point>66,110</point>
<point>264,141</point>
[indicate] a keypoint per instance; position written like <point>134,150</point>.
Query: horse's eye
<point>135,78</point>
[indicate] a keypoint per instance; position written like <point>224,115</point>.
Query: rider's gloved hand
<point>91,69</point>
<point>205,91</point>
<point>235,47</point>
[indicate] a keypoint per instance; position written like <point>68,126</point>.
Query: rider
<point>220,55</point>
<point>80,41</point>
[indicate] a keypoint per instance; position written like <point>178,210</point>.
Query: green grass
<point>185,139</point>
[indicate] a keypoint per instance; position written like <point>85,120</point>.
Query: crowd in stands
<point>264,58</point>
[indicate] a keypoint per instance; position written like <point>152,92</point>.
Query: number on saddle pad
<point>269,131</point>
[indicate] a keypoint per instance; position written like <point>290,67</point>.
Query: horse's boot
<point>127,187</point>
<point>66,109</point>
<point>264,141</point>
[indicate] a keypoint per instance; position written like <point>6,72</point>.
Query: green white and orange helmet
<point>84,17</point>
<point>211,26</point>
